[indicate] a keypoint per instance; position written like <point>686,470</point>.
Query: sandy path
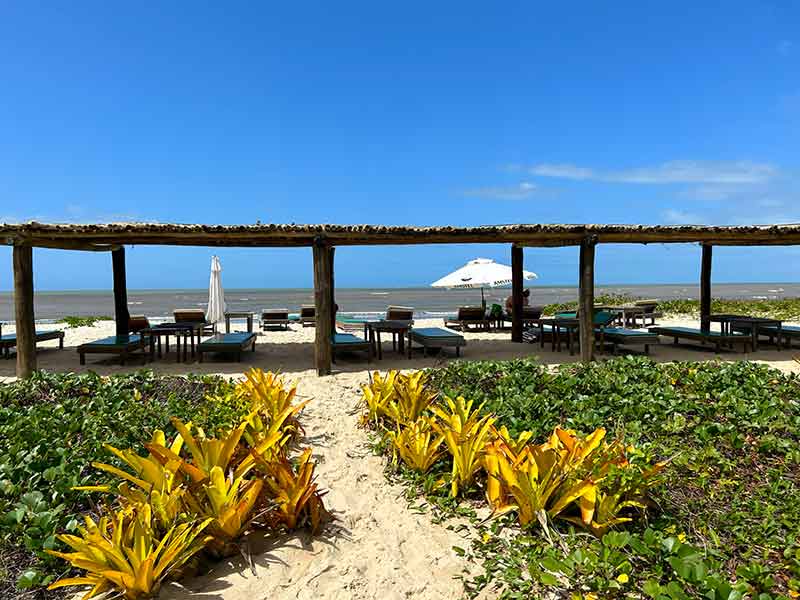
<point>378,548</point>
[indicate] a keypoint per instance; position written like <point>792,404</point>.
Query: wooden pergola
<point>323,239</point>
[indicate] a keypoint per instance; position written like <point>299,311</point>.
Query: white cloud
<point>679,217</point>
<point>710,192</point>
<point>678,171</point>
<point>520,191</point>
<point>562,171</point>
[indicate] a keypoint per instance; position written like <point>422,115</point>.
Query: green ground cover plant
<point>75,321</point>
<point>787,309</point>
<point>724,525</point>
<point>52,426</point>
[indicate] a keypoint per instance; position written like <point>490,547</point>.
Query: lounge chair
<point>275,318</point>
<point>620,336</point>
<point>787,332</point>
<point>468,316</point>
<point>138,323</point>
<point>122,345</point>
<point>399,313</point>
<point>9,341</point>
<point>602,319</point>
<point>435,337</point>
<point>644,310</point>
<point>347,342</point>
<point>228,343</point>
<point>194,315</point>
<point>716,338</point>
<point>308,315</point>
<point>530,316</point>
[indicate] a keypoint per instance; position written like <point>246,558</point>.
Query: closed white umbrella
<point>216,296</point>
<point>480,273</point>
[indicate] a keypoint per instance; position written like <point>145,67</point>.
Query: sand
<point>379,547</point>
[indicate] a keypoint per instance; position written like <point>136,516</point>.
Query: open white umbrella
<point>480,273</point>
<point>216,297</point>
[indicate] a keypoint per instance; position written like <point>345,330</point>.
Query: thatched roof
<point>103,236</point>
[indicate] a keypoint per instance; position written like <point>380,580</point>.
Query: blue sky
<point>421,113</point>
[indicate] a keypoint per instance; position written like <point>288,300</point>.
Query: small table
<point>238,315</point>
<point>179,330</point>
<point>395,327</point>
<point>729,322</point>
<point>569,325</point>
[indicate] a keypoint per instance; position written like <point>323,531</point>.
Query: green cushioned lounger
<point>228,343</point>
<point>122,345</point>
<point>715,338</point>
<point>435,337</point>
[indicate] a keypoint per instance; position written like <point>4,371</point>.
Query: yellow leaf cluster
<point>215,485</point>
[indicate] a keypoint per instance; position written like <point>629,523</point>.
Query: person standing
<point>510,301</point>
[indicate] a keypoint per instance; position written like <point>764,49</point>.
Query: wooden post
<point>332,251</point>
<point>705,288</point>
<point>586,299</point>
<point>323,297</point>
<point>23,309</point>
<point>121,314</point>
<point>516,293</point>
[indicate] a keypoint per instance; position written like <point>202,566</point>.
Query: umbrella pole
<point>483,301</point>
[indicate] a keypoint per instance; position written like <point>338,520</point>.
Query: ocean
<point>427,302</point>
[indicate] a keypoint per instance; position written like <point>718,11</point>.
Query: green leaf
<point>651,588</point>
<point>28,579</point>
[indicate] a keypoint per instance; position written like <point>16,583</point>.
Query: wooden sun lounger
<point>194,315</point>
<point>474,316</point>
<point>275,318</point>
<point>228,343</point>
<point>123,345</point>
<point>308,315</point>
<point>347,342</point>
<point>10,340</point>
<point>620,336</point>
<point>716,338</point>
<point>435,337</point>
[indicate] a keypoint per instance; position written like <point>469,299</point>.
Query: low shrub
<point>210,449</point>
<point>73,321</point>
<point>567,476</point>
<point>726,524</point>
<point>214,486</point>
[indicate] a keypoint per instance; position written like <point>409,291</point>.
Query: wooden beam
<point>121,314</point>
<point>23,310</point>
<point>323,298</point>
<point>586,299</point>
<point>516,293</point>
<point>705,288</point>
<point>91,236</point>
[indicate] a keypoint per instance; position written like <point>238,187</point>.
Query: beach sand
<point>379,546</point>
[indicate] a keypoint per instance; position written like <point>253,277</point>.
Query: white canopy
<point>216,296</point>
<point>480,273</point>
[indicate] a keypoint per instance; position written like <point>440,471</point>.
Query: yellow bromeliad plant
<point>207,453</point>
<point>417,444</point>
<point>377,395</point>
<point>124,554</point>
<point>272,406</point>
<point>156,483</point>
<point>229,503</point>
<point>545,480</point>
<point>467,435</point>
<point>411,399</point>
<point>536,484</point>
<point>294,491</point>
